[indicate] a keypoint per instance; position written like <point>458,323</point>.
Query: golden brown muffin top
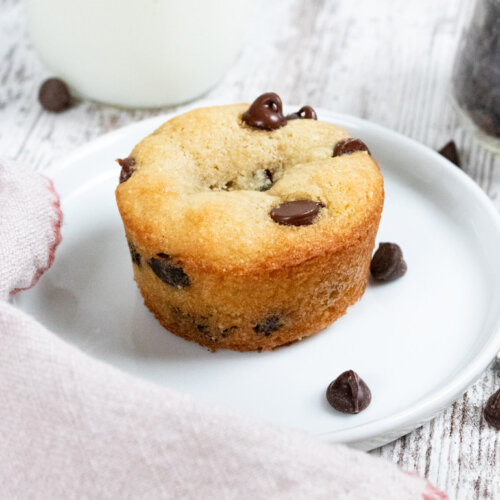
<point>198,191</point>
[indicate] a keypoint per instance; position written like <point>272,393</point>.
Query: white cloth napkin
<point>74,427</point>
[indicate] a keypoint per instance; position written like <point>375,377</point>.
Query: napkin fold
<point>74,427</point>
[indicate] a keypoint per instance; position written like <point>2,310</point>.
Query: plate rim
<point>409,418</point>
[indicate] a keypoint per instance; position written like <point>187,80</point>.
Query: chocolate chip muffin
<point>248,229</point>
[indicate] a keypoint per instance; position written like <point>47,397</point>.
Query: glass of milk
<point>138,53</point>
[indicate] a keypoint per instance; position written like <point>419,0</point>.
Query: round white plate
<point>418,342</point>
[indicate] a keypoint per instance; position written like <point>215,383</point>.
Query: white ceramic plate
<point>418,342</point>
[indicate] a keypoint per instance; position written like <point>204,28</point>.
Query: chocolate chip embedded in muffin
<point>450,152</point>
<point>388,263</point>
<point>269,325</point>
<point>170,273</point>
<point>128,168</point>
<point>269,176</point>
<point>492,410</point>
<point>349,146</point>
<point>296,213</point>
<point>305,112</point>
<point>263,179</point>
<point>266,112</point>
<point>227,331</point>
<point>136,256</point>
<point>348,393</point>
<point>54,95</point>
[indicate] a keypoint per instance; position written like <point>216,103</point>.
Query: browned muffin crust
<point>210,261</point>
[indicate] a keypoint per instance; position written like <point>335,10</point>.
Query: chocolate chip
<point>349,393</point>
<point>492,410</point>
<point>270,325</point>
<point>227,331</point>
<point>136,256</point>
<point>54,95</point>
<point>268,180</point>
<point>304,112</point>
<point>266,112</point>
<point>168,272</point>
<point>296,213</point>
<point>450,152</point>
<point>349,146</point>
<point>387,263</point>
<point>128,168</point>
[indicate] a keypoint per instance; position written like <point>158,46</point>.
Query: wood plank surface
<point>387,61</point>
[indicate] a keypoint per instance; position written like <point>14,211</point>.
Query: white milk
<point>138,53</point>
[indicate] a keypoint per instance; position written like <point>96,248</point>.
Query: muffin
<point>248,229</point>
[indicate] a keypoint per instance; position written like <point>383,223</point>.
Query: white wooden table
<point>388,61</point>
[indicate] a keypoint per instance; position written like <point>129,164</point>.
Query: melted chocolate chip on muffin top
<point>349,146</point>
<point>128,168</point>
<point>305,112</point>
<point>266,112</point>
<point>296,213</point>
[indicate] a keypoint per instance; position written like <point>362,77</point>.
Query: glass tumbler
<point>138,53</point>
<point>476,74</point>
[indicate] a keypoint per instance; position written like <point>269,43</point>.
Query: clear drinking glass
<point>476,75</point>
<point>138,53</point>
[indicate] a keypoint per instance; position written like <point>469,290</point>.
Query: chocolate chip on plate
<point>349,146</point>
<point>296,213</point>
<point>305,112</point>
<point>387,263</point>
<point>450,152</point>
<point>269,325</point>
<point>266,112</point>
<point>348,393</point>
<point>54,95</point>
<point>128,168</point>
<point>492,410</point>
<point>170,273</point>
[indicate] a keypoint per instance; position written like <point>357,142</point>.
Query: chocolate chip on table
<point>168,272</point>
<point>269,325</point>
<point>348,393</point>
<point>54,95</point>
<point>387,263</point>
<point>296,213</point>
<point>349,146</point>
<point>492,410</point>
<point>450,152</point>
<point>304,112</point>
<point>128,168</point>
<point>136,256</point>
<point>266,112</point>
